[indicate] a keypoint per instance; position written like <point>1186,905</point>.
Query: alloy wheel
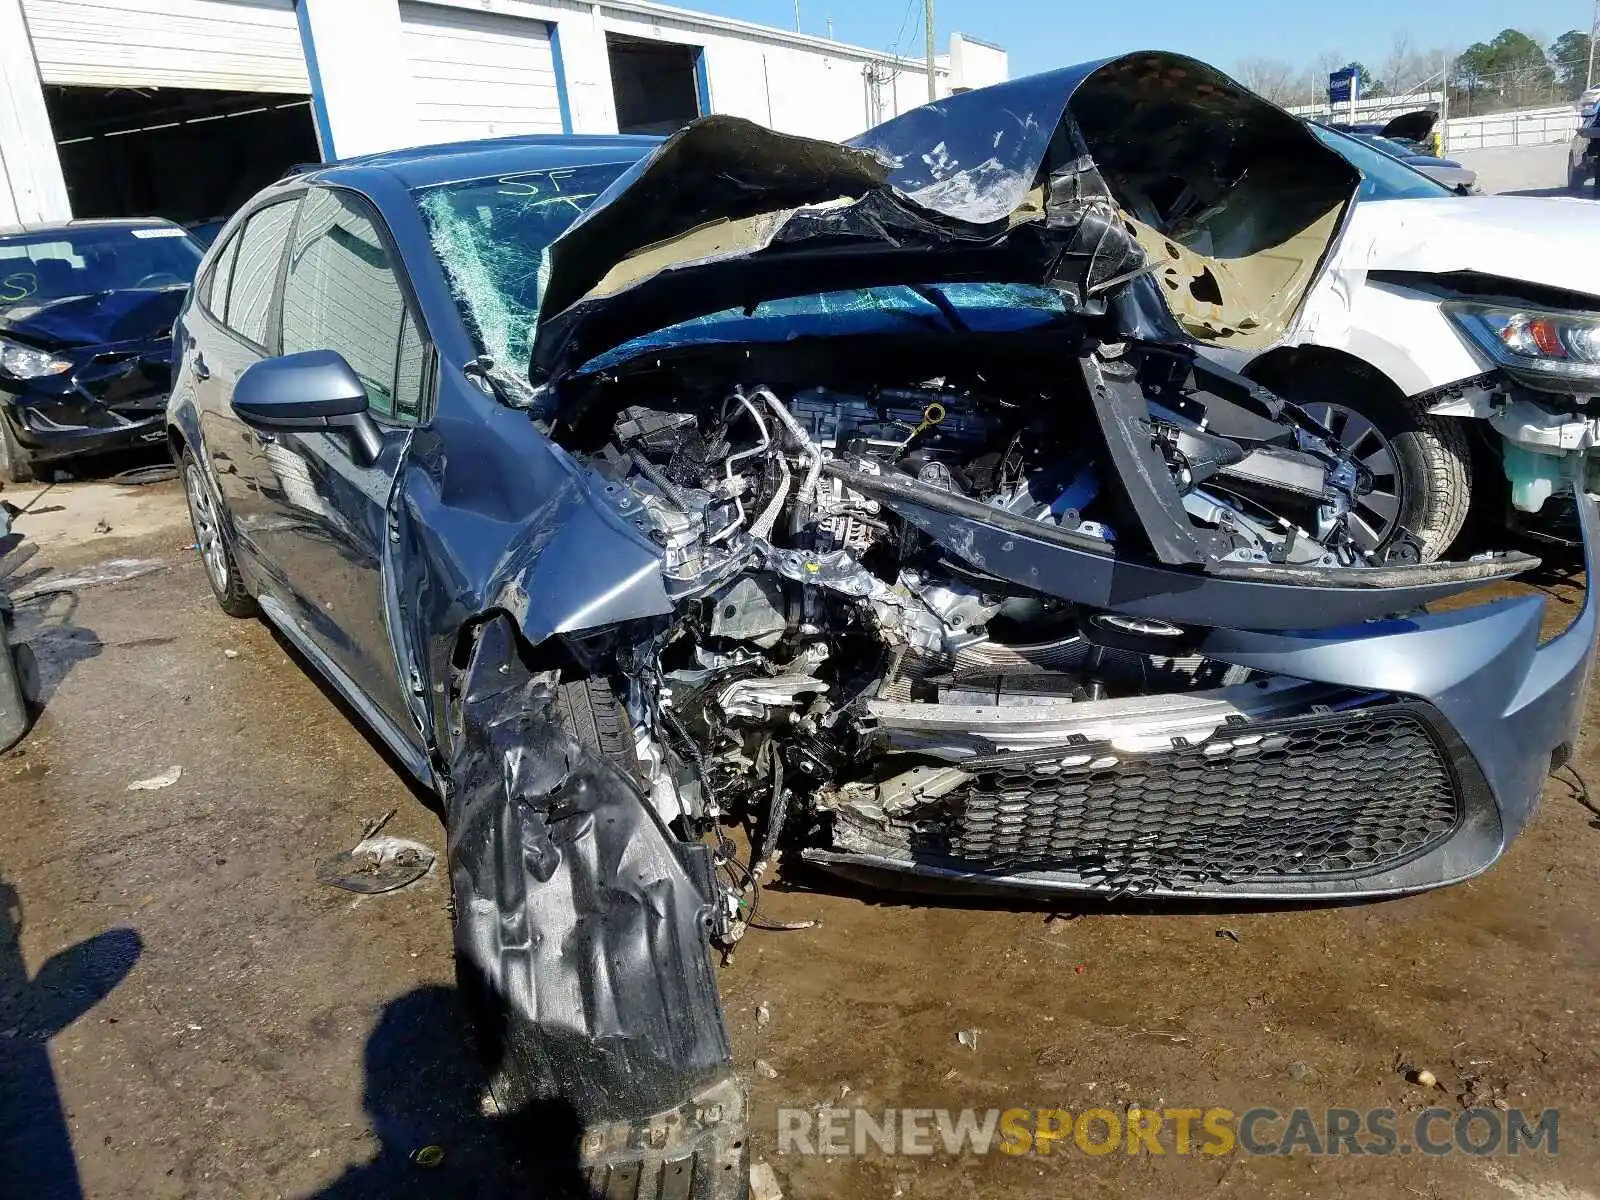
<point>207,528</point>
<point>1374,516</point>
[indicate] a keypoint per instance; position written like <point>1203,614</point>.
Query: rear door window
<point>214,287</point>
<point>255,270</point>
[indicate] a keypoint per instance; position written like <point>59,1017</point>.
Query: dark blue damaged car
<point>86,312</point>
<point>868,496</point>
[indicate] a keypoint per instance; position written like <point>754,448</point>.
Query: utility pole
<point>1594,31</point>
<point>927,21</point>
<point>1444,111</point>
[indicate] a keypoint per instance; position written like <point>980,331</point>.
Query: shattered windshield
<point>493,237</point>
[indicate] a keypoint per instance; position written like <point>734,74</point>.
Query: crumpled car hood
<point>1549,241</point>
<point>98,319</point>
<point>1150,166</point>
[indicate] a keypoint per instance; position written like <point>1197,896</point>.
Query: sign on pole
<point>1344,87</point>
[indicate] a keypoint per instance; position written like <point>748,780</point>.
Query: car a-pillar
<point>581,941</point>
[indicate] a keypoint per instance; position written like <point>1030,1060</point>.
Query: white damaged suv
<point>1436,307</point>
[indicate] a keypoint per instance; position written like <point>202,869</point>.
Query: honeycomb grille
<point>1351,794</point>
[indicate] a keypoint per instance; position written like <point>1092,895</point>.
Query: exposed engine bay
<point>828,659</point>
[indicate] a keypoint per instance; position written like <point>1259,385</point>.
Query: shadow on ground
<point>424,1088</point>
<point>35,1145</point>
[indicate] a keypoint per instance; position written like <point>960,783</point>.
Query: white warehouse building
<point>184,108</point>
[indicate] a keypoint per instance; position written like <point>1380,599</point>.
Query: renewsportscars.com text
<point>834,1132</point>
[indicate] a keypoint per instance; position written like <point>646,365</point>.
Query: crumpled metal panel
<point>994,185</point>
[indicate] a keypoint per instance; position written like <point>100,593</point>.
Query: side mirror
<point>313,390</point>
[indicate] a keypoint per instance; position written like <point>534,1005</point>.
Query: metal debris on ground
<point>968,1038</point>
<point>138,476</point>
<point>428,1156</point>
<point>156,782</point>
<point>376,864</point>
<point>763,1182</point>
<point>102,526</point>
<point>1231,934</point>
<point>113,570</point>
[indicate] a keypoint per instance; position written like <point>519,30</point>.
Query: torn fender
<point>581,937</point>
<point>578,565</point>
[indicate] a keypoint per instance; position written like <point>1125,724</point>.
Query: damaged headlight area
<point>1546,349</point>
<point>24,362</point>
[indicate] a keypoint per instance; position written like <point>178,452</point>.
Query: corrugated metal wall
<point>252,47</point>
<point>478,75</point>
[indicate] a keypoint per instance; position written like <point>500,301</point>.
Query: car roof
<point>423,166</point>
<point>86,223</point>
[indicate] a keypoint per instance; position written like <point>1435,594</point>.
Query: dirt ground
<point>186,1012</point>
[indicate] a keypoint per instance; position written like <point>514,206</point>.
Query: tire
<point>1432,477</point>
<point>15,465</point>
<point>593,714</point>
<point>210,535</point>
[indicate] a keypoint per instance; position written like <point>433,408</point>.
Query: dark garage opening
<point>656,84</point>
<point>191,155</point>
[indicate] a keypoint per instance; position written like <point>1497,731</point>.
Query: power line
<point>911,6</point>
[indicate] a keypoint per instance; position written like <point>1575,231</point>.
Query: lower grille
<point>1353,793</point>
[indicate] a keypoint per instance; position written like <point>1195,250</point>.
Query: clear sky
<point>1040,34</point>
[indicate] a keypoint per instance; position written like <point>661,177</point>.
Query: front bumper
<point>1423,780</point>
<point>51,438</point>
<point>113,397</point>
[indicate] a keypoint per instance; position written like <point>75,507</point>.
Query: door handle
<point>201,371</point>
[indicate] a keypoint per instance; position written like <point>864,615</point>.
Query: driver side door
<point>329,498</point>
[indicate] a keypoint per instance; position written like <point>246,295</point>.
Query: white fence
<point>1525,127</point>
<point>1372,108</point>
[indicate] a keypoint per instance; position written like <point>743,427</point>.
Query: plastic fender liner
<point>1226,595</point>
<point>581,943</point>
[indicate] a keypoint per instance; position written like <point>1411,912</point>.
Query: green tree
<point>1509,71</point>
<point>1569,55</point>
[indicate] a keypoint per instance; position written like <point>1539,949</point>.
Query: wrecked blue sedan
<point>869,496</point>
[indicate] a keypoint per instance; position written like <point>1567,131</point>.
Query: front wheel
<point>211,539</point>
<point>1421,464</point>
<point>15,465</point>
